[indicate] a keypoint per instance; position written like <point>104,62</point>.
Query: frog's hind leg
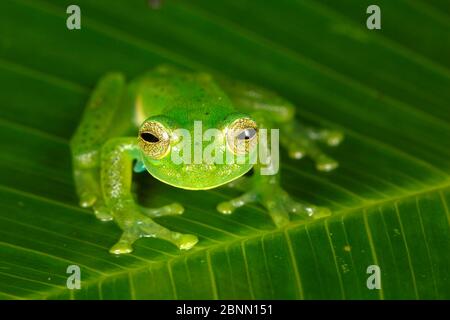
<point>89,137</point>
<point>276,112</point>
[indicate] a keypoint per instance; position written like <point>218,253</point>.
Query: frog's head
<point>204,150</point>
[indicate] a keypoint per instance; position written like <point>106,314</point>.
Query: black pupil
<point>246,134</point>
<point>148,137</point>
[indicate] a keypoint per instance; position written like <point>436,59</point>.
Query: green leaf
<point>387,89</point>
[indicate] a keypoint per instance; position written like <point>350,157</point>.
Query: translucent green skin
<point>105,146</point>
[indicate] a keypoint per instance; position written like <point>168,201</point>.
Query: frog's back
<point>183,96</point>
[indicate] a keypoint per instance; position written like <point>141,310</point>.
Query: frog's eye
<point>247,134</point>
<point>149,137</point>
<point>242,135</point>
<point>154,139</point>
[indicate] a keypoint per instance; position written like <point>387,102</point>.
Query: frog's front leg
<point>266,190</point>
<point>116,172</point>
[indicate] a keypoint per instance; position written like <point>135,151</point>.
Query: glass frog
<point>134,125</point>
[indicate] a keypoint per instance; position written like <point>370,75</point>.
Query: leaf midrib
<point>293,225</point>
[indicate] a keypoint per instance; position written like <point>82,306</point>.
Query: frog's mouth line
<point>207,187</point>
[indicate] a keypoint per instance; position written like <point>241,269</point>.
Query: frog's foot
<point>278,203</point>
<point>301,141</point>
<point>169,210</point>
<point>332,138</point>
<point>102,213</point>
<point>148,228</point>
<point>88,189</point>
<point>138,225</point>
<point>87,185</point>
<point>228,207</point>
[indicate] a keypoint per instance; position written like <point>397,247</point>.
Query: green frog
<point>140,125</point>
